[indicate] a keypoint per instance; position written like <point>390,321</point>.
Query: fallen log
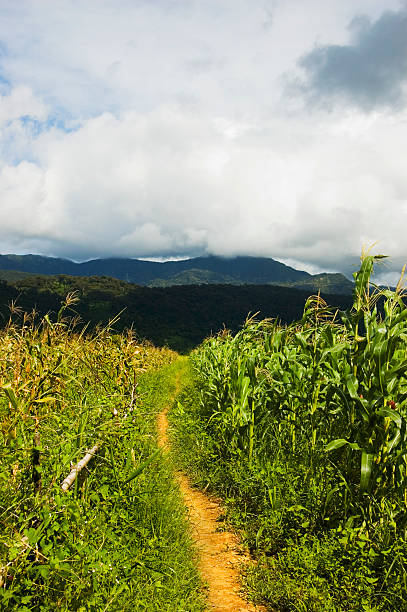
<point>78,467</point>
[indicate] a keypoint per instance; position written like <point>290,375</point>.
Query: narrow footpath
<point>220,553</point>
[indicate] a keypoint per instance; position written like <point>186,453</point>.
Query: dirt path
<point>220,554</point>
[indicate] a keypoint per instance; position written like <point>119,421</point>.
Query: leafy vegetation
<point>118,538</point>
<point>302,429</point>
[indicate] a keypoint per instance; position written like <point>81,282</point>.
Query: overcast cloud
<point>371,72</point>
<point>178,128</point>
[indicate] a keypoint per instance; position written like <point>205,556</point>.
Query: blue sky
<point>182,127</point>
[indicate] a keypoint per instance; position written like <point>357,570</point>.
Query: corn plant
<point>329,392</point>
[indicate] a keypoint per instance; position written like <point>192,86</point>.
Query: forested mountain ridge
<point>196,271</point>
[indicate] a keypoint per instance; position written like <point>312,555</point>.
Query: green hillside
<point>195,276</point>
<point>326,283</point>
<point>13,275</point>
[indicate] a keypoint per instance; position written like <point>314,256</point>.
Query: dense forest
<point>179,316</point>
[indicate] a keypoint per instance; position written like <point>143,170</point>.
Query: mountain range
<point>196,271</point>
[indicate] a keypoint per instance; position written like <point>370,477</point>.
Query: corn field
<point>326,396</point>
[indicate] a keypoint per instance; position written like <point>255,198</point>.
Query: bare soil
<point>220,554</point>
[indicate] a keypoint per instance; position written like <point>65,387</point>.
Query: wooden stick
<point>35,455</point>
<point>79,466</point>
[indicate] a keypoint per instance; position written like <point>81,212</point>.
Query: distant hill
<point>326,283</point>
<point>195,276</point>
<point>196,271</point>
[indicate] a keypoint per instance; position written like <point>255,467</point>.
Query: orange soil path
<point>220,554</point>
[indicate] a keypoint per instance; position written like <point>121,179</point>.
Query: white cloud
<point>168,183</point>
<point>21,102</point>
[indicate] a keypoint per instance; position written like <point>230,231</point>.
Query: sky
<point>177,128</point>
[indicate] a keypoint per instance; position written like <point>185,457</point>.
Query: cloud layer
<point>165,129</point>
<point>167,183</point>
<point>370,73</point>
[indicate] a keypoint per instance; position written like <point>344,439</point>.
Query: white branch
<point>79,466</point>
